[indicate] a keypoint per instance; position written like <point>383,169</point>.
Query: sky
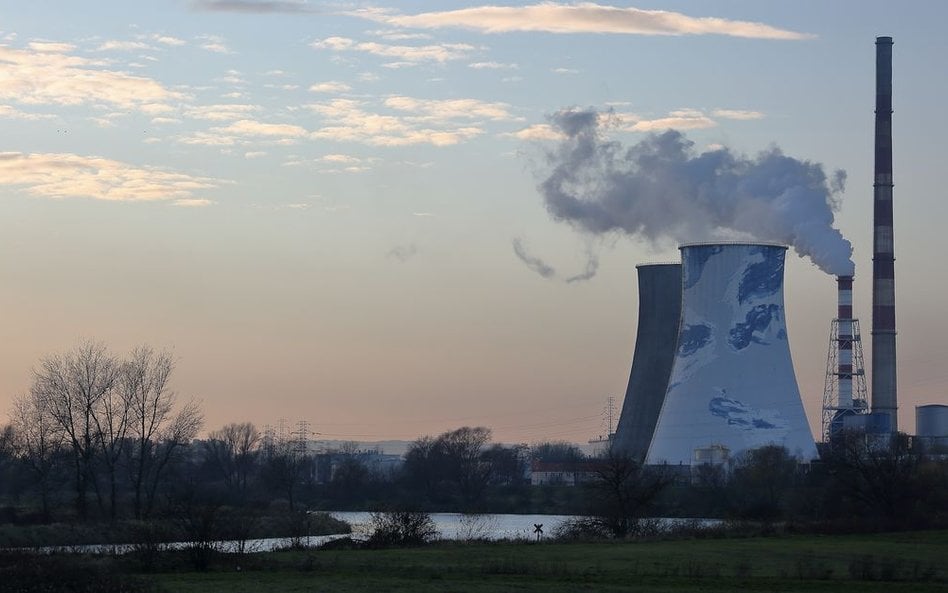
<point>330,211</point>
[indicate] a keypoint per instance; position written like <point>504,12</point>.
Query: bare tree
<point>623,490</point>
<point>233,450</point>
<point>74,387</point>
<point>38,442</point>
<point>157,431</point>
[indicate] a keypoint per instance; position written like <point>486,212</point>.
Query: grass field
<point>915,562</point>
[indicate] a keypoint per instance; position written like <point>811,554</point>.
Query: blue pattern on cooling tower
<point>743,416</point>
<point>693,338</point>
<point>691,270</point>
<point>754,327</point>
<point>762,279</point>
<point>732,382</point>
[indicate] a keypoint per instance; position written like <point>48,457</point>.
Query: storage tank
<point>655,340</point>
<point>931,420</point>
<point>732,381</point>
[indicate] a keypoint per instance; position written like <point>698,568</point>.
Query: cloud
<point>737,114</point>
<point>331,86</point>
<point>214,43</point>
<point>447,109</point>
<point>249,127</point>
<point>51,47</point>
<point>8,112</point>
<point>492,66</point>
<point>395,35</point>
<point>340,158</point>
<point>537,132</point>
<point>252,6</point>
<point>54,77</point>
<point>586,17</point>
<point>168,40</point>
<point>113,45</point>
<point>405,54</point>
<point>349,120</point>
<point>66,175</point>
<point>254,154</point>
<point>192,202</point>
<point>221,112</point>
<point>564,71</point>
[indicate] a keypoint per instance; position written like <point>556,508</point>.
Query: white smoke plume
<point>662,188</point>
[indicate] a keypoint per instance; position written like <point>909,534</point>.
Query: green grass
<point>865,563</point>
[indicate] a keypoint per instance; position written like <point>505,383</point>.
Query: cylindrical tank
<point>931,421</point>
<point>732,381</point>
<point>656,337</point>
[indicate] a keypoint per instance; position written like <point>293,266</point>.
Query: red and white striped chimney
<point>884,386</point>
<point>844,362</point>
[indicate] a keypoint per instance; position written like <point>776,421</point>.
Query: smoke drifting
<point>547,271</point>
<point>661,189</point>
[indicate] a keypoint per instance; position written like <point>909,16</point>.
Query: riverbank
<point>911,561</point>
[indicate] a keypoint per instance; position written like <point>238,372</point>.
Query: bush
<point>401,528</point>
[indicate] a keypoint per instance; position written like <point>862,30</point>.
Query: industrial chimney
<point>655,341</point>
<point>732,383</point>
<point>884,385</point>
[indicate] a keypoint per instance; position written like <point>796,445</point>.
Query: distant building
<point>544,473</point>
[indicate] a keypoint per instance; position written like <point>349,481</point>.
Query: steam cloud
<point>661,189</point>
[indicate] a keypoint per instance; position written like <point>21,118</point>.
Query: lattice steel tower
<point>844,392</point>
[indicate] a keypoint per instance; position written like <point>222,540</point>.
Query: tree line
<point>104,437</point>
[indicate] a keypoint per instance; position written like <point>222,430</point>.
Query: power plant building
<point>732,382</point>
<point>655,342</point>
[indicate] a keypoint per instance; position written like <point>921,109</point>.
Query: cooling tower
<point>732,381</point>
<point>884,384</point>
<point>656,337</point>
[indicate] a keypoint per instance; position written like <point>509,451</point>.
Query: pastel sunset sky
<point>326,209</point>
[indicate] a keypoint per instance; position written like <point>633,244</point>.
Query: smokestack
<point>884,387</point>
<point>845,338</point>
<point>655,342</point>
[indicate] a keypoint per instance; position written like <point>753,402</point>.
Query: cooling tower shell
<point>655,341</point>
<point>732,381</point>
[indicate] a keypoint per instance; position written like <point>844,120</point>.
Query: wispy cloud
<point>586,17</point>
<point>444,110</point>
<point>331,86</point>
<point>115,45</point>
<point>214,43</point>
<point>66,175</point>
<point>737,114</point>
<point>537,132</point>
<point>352,121</point>
<point>193,202</point>
<point>221,112</point>
<point>8,112</point>
<point>49,74</point>
<point>492,66</point>
<point>404,54</point>
<point>168,40</point>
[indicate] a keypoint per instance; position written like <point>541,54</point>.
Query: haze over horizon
<point>330,211</point>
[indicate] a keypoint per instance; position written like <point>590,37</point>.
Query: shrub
<point>401,528</point>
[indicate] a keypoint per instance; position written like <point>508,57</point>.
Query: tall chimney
<point>884,391</point>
